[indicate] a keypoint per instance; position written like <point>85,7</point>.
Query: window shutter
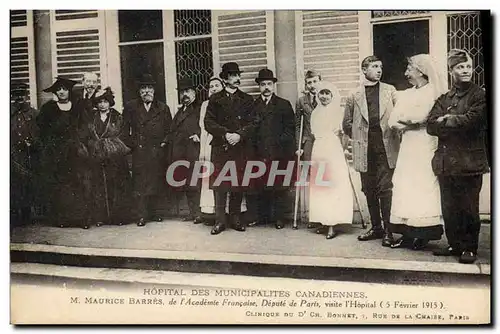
<point>247,38</point>
<point>330,45</point>
<point>79,43</point>
<point>22,51</point>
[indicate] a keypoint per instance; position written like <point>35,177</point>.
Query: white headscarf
<point>332,88</point>
<point>437,79</point>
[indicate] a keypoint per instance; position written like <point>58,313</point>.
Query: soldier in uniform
<point>303,110</point>
<point>459,120</point>
<point>23,142</point>
<point>147,123</point>
<point>230,120</point>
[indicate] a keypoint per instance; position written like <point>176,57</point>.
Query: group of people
<point>424,147</point>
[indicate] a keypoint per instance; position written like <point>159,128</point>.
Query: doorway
<point>141,50</point>
<point>393,43</point>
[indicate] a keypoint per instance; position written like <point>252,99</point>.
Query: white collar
<point>231,90</point>
<point>266,99</point>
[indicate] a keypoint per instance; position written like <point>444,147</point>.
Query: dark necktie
<point>314,102</point>
<point>86,95</point>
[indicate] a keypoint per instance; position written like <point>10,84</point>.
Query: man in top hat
<point>23,146</point>
<point>274,141</point>
<point>459,119</point>
<point>147,121</point>
<point>184,144</point>
<point>230,120</point>
<point>375,145</point>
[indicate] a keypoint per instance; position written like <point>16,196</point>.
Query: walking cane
<point>106,190</point>
<point>296,208</point>
<point>363,222</point>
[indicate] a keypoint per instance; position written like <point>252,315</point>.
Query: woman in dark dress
<point>111,181</point>
<point>63,158</point>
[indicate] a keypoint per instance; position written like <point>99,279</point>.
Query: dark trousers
<point>270,205</point>
<point>235,199</point>
<point>377,186</point>
<point>460,208</point>
<point>147,206</point>
<point>193,200</point>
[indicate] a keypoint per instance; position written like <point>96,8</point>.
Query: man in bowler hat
<point>147,122</point>
<point>230,120</point>
<point>184,144</point>
<point>459,119</point>
<point>274,141</point>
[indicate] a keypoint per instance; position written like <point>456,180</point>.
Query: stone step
<point>300,267</point>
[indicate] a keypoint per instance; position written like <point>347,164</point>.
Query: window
<point>194,55</point>
<point>464,32</point>
<point>140,25</point>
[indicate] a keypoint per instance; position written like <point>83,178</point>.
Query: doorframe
<point>438,39</point>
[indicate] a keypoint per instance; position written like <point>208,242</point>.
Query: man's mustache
<point>237,82</point>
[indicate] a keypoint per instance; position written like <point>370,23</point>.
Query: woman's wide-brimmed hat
<point>61,82</point>
<point>265,74</point>
<point>104,94</point>
<point>228,68</point>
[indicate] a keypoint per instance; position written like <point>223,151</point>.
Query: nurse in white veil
<point>416,204</point>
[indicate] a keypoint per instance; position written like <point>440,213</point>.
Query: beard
<point>147,98</point>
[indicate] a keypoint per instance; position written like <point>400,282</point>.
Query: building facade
<point>172,44</point>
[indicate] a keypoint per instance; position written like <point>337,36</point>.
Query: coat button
<point>140,146</point>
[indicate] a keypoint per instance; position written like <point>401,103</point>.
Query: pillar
<point>43,54</point>
<point>285,54</point>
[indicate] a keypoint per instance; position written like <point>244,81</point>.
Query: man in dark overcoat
<point>23,149</point>
<point>230,121</point>
<point>274,141</point>
<point>459,119</point>
<point>184,144</point>
<point>148,122</point>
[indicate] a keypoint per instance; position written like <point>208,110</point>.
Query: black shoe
<point>141,222</point>
<point>419,244</point>
<point>279,225</point>
<point>218,228</point>
<point>320,229</point>
<point>448,251</point>
<point>188,219</point>
<point>467,257</point>
<point>372,234</point>
<point>331,233</point>
<point>387,240</point>
<point>239,227</point>
<point>402,242</point>
<point>256,223</point>
<point>99,224</point>
<point>157,219</point>
<point>313,225</point>
<point>85,227</point>
<point>198,220</point>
